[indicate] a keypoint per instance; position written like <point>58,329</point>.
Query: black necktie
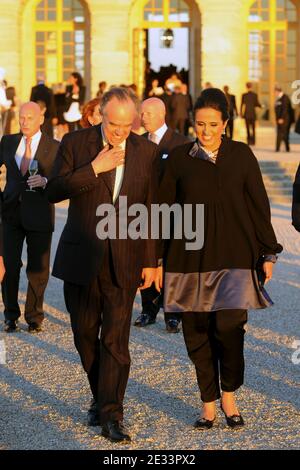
<point>111,174</point>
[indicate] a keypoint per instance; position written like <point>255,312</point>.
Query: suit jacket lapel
<point>94,146</point>
<point>42,149</point>
<point>11,160</point>
<point>163,144</point>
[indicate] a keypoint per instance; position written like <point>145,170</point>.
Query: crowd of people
<point>209,290</point>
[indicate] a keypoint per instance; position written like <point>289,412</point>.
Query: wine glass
<point>33,169</point>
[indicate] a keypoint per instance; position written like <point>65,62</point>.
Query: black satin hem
<point>214,290</point>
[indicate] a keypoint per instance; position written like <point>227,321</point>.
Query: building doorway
<point>167,34</point>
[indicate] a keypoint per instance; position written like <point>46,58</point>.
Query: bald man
<point>154,121</point>
<point>26,215</point>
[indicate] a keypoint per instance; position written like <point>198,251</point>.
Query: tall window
<point>60,39</point>
<point>273,41</point>
<point>166,10</point>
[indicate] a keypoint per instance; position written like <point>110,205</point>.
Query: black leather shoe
<point>34,328</point>
<point>115,432</point>
<point>93,414</point>
<point>203,423</point>
<point>144,319</point>
<point>172,326</point>
<point>234,421</point>
<point>11,326</point>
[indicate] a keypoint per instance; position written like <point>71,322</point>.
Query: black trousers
<point>100,320</point>
<point>250,126</point>
<point>229,128</point>
<point>37,270</point>
<point>152,300</point>
<point>283,135</point>
<point>215,344</point>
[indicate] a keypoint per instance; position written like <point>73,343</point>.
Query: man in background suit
<point>95,166</point>
<point>248,112</point>
<point>26,215</point>
<point>153,119</point>
<point>284,118</point>
<point>44,95</point>
<point>233,112</point>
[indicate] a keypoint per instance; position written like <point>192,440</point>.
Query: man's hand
<point>159,278</point>
<point>37,181</point>
<point>268,270</point>
<point>148,276</point>
<point>2,269</point>
<point>280,121</point>
<point>107,160</point>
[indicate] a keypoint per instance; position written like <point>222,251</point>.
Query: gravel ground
<point>44,393</point>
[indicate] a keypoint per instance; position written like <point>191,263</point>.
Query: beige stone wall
<point>223,42</point>
<point>110,42</point>
<point>10,41</point>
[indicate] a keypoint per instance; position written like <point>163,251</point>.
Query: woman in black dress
<point>75,93</point>
<point>214,286</point>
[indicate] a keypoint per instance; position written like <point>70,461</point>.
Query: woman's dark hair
<point>213,98</point>
<point>78,78</point>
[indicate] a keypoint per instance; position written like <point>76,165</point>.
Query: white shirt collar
<point>36,137</point>
<point>160,132</point>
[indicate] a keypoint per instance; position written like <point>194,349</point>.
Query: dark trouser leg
<point>106,362</point>
<point>280,136</point>
<point>229,335</point>
<point>229,129</point>
<point>248,131</point>
<point>114,351</point>
<point>287,137</point>
<point>253,131</point>
<point>84,305</point>
<point>151,300</point>
<point>38,259</point>
<point>198,336</point>
<point>13,239</point>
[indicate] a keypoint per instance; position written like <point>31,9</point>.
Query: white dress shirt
<point>35,140</point>
<point>159,133</point>
<point>119,169</point>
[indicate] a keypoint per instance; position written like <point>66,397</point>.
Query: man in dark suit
<point>26,215</point>
<point>284,118</point>
<point>166,139</point>
<point>233,112</point>
<point>180,106</point>
<point>94,168</point>
<point>44,95</point>
<point>248,112</point>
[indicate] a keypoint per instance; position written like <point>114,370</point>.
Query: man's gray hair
<point>122,94</point>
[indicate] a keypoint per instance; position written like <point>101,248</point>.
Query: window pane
<point>67,36</point>
<point>51,15</point>
<point>40,36</point>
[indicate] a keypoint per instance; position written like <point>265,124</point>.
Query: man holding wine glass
<point>26,215</point>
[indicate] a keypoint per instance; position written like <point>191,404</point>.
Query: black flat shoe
<point>11,326</point>
<point>144,319</point>
<point>172,326</point>
<point>115,432</point>
<point>233,421</point>
<point>203,423</point>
